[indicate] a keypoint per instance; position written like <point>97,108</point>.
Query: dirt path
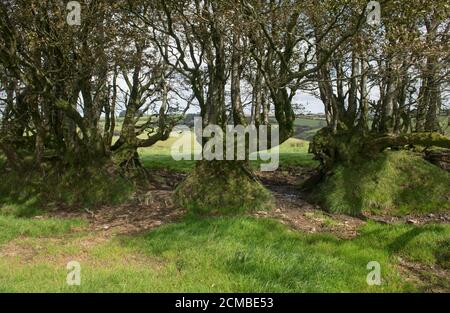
<point>155,208</point>
<point>292,208</point>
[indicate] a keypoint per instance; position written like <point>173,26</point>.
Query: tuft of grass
<point>394,183</point>
<point>12,227</point>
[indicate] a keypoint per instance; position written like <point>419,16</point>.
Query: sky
<point>311,103</point>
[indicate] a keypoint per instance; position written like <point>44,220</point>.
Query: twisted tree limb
<point>422,139</point>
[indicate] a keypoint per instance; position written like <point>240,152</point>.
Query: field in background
<point>293,152</point>
<point>222,254</point>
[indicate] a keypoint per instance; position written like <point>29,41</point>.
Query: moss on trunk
<point>394,183</point>
<point>352,146</point>
<point>222,187</point>
<point>126,160</point>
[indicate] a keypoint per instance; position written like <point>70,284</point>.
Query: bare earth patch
<point>154,208</point>
<point>432,218</point>
<point>148,211</point>
<point>428,278</point>
<point>292,209</point>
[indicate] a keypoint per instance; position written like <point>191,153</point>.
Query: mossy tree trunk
<point>222,187</point>
<point>218,186</point>
<point>353,146</point>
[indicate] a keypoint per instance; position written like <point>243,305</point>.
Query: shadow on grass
<point>262,255</point>
<point>401,241</point>
<point>32,192</point>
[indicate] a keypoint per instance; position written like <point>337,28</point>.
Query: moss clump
<point>222,187</point>
<point>28,193</point>
<point>393,183</point>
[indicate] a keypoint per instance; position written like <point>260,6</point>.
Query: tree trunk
<point>222,187</point>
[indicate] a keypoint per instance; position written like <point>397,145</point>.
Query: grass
<point>260,255</point>
<point>293,152</point>
<point>222,188</point>
<point>310,122</point>
<point>226,254</point>
<point>428,244</point>
<point>240,254</point>
<point>395,183</point>
<point>159,156</point>
<point>26,194</point>
<point>13,227</point>
<point>242,193</point>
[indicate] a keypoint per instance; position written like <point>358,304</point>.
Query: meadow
<point>244,253</point>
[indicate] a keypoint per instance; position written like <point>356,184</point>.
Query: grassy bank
<point>394,183</point>
<point>240,254</point>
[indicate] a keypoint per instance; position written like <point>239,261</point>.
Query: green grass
<point>313,123</point>
<point>222,188</point>
<point>395,183</point>
<point>242,195</point>
<point>159,156</point>
<point>428,244</point>
<point>27,194</point>
<point>161,161</point>
<point>251,255</point>
<point>239,254</point>
<point>13,227</point>
<point>293,152</point>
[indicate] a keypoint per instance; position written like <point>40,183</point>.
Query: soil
<point>294,209</point>
<point>154,208</point>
